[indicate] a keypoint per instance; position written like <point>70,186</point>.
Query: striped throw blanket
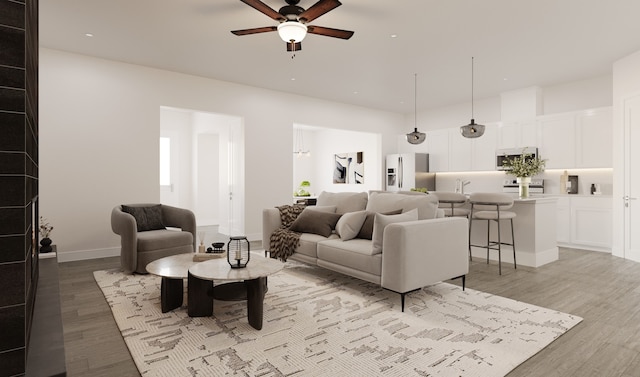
<point>283,242</point>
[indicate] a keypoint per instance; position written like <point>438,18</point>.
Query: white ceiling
<point>516,44</point>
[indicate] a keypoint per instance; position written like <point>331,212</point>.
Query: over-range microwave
<point>504,154</point>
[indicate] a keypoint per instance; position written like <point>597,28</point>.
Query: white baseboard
<point>70,256</point>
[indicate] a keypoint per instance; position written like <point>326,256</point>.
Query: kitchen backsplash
<point>493,181</point>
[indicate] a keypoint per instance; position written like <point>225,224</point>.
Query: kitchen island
<point>534,229</point>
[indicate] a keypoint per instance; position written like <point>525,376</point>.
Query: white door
<point>631,107</point>
<point>236,181</point>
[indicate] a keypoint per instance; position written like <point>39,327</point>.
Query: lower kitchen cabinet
<point>585,222</point>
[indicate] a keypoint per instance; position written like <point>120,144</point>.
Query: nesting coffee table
<point>173,270</point>
<point>248,283</point>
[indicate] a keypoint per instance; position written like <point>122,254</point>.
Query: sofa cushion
<point>350,224</point>
<point>366,231</point>
<point>309,244</point>
<point>316,222</point>
<point>331,209</point>
<point>344,201</point>
<point>427,205</point>
<point>163,239</point>
<point>355,254</point>
<point>381,221</point>
<point>147,218</point>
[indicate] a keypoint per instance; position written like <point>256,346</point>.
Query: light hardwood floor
<point>602,289</point>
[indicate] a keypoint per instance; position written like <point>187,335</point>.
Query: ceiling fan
<point>293,21</point>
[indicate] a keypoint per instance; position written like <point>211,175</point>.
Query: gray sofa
<point>423,249</point>
<point>144,236</point>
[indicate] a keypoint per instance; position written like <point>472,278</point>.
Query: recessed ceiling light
<point>293,79</point>
<point>394,35</point>
<point>355,92</point>
<point>88,35</point>
<point>505,79</point>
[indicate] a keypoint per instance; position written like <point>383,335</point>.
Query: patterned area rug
<point>320,323</point>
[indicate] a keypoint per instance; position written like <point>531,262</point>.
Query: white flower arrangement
<point>45,227</point>
<point>524,165</point>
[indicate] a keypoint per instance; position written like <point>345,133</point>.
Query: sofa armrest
<point>180,218</point>
<point>124,225</point>
<point>420,253</point>
<point>270,222</point>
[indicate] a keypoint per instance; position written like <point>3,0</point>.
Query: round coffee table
<point>248,283</point>
<point>173,270</point>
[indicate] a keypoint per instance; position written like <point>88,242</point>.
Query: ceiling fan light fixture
<point>472,130</point>
<point>292,31</point>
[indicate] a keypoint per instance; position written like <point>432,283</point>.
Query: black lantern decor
<point>238,252</point>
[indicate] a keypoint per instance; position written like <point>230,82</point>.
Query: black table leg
<point>171,292</point>
<point>199,304</point>
<point>256,289</point>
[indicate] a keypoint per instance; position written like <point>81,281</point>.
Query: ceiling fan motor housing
<point>291,12</point>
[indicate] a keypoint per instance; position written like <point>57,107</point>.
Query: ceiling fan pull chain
<point>293,49</point>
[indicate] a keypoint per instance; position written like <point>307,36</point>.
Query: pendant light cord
<point>415,100</point>
<point>472,87</point>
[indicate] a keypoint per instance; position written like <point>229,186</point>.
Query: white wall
<point>99,130</point>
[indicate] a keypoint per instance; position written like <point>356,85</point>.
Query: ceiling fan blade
<point>296,46</point>
<point>329,32</point>
<point>318,9</point>
<point>264,8</point>
<point>255,30</point>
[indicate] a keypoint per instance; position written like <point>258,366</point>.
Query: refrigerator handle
<point>400,172</point>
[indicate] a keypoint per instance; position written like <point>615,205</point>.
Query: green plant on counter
<point>524,165</point>
<point>420,189</point>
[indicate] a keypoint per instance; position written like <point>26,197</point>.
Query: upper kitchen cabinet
<point>556,140</point>
<point>517,134</point>
<point>594,138</point>
<point>581,139</point>
<point>438,148</point>
<point>473,154</point>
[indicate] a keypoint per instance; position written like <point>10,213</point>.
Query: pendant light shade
<point>292,31</point>
<point>472,130</point>
<point>416,137</point>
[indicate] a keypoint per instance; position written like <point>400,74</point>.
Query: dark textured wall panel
<point>12,129</point>
<point>13,362</point>
<point>12,283</point>
<point>13,337</point>
<point>12,248</point>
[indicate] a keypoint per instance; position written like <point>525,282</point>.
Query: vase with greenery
<point>523,167</point>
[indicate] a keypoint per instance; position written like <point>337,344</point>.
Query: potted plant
<point>524,167</point>
<point>45,231</point>
<point>303,189</point>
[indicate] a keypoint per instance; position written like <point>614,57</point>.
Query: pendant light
<point>300,150</point>
<point>472,130</point>
<point>416,137</point>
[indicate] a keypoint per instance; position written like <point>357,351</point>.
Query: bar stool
<point>451,203</point>
<point>492,207</point>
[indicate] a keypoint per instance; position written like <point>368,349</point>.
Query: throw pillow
<point>331,209</point>
<point>316,222</point>
<point>366,231</point>
<point>350,224</point>
<point>381,221</point>
<point>147,218</point>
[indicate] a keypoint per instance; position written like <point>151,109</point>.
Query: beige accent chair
<point>493,207</point>
<point>139,248</point>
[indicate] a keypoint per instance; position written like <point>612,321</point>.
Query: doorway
<point>202,169</point>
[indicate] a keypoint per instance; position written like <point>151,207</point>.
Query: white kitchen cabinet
<point>563,232</point>
<point>556,140</point>
<point>517,134</point>
<point>591,222</point>
<point>584,222</point>
<point>594,139</point>
<point>483,149</point>
<point>459,151</point>
<point>438,148</point>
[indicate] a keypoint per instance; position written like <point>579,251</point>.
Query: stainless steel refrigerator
<point>409,170</point>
